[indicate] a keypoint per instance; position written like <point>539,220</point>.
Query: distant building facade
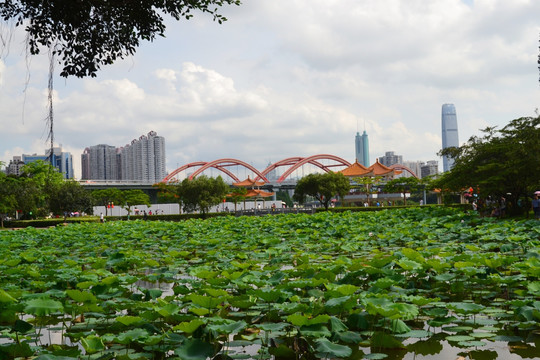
<point>449,133</point>
<point>414,166</point>
<point>98,162</point>
<point>390,158</point>
<point>62,161</point>
<point>430,168</point>
<point>141,160</point>
<point>362,148</point>
<point>15,166</point>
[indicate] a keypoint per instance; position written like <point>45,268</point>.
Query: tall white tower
<point>449,133</point>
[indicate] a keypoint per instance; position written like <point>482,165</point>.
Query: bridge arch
<point>220,165</point>
<point>404,168</point>
<point>297,162</point>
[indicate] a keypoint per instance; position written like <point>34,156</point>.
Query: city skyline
<point>283,79</point>
<point>141,160</point>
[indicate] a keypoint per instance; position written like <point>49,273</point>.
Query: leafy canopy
<point>202,193</point>
<point>322,187</point>
<point>88,34</point>
<point>501,163</point>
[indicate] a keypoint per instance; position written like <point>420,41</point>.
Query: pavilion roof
<point>249,183</point>
<point>258,193</point>
<point>379,169</point>
<point>356,169</point>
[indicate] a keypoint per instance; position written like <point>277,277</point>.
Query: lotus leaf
<point>325,348</point>
<point>42,306</point>
<point>92,344</point>
<point>195,349</point>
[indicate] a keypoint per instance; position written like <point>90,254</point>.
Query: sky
<point>284,78</point>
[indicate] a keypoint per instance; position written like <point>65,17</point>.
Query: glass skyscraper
<point>362,148</point>
<point>449,133</point>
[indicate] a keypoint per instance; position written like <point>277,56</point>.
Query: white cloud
<point>294,78</point>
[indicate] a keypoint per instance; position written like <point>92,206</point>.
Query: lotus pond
<point>420,283</point>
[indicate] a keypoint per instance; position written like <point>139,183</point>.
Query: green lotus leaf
<point>317,331</point>
<point>199,311</point>
<point>298,319</point>
<point>336,325</point>
<point>195,349</point>
<point>482,335</point>
<point>134,335</point>
<point>42,307</point>
<point>129,320</point>
<point>269,327</point>
<point>413,255</point>
<point>232,327</point>
<point>409,264</point>
<point>326,349</point>
<point>349,337</point>
<point>383,283</point>
<point>167,310</point>
<point>81,296</point>
<point>204,301</point>
<point>385,341</point>
<point>6,298</point>
<point>282,352</point>
<point>375,356</point>
<point>22,326</point>
<point>466,308</point>
<point>399,327</point>
<point>16,351</point>
<point>459,338</point>
<point>92,344</point>
<point>534,287</point>
<point>268,295</point>
<point>189,327</point>
<point>475,343</point>
<point>415,334</point>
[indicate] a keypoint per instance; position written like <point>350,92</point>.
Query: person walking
<point>536,206</point>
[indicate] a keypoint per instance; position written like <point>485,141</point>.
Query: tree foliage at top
<point>403,186</point>
<point>501,163</point>
<point>86,34</point>
<point>322,187</point>
<point>201,193</point>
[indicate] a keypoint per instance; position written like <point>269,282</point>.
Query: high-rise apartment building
<point>415,166</point>
<point>141,160</point>
<point>144,159</point>
<point>62,161</point>
<point>98,162</point>
<point>362,148</point>
<point>430,168</point>
<point>390,158</point>
<point>449,133</point>
<point>15,166</point>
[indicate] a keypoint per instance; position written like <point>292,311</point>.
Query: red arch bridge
<point>290,164</point>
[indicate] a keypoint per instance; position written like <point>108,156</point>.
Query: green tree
<point>202,193</point>
<point>84,35</point>
<point>107,197</point>
<point>500,164</point>
<point>166,193</point>
<point>8,201</point>
<point>284,196</point>
<point>322,187</point>
<point>236,195</point>
<point>69,197</point>
<point>403,186</point>
<point>367,185</point>
<point>129,198</point>
<point>34,188</point>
